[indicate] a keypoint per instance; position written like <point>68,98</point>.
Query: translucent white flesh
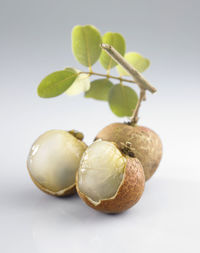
<point>101,171</point>
<point>54,159</point>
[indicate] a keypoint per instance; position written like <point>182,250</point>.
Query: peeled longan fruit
<point>54,159</point>
<point>107,180</point>
<point>136,141</point>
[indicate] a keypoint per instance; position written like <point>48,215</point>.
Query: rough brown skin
<point>144,144</point>
<point>128,194</point>
<point>62,193</point>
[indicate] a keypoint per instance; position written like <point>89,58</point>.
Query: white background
<point>35,41</point>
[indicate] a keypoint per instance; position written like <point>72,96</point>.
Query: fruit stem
<point>139,79</point>
<point>107,76</point>
<point>135,118</point>
<point>76,134</point>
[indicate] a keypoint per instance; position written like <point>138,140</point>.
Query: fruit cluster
<point>109,175</point>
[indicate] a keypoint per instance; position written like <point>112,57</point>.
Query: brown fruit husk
<point>128,194</point>
<point>135,141</point>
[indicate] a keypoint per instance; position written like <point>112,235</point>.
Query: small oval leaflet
<point>118,42</point>
<point>122,100</point>
<point>136,60</point>
<point>99,89</point>
<point>81,84</point>
<point>86,42</point>
<point>56,83</point>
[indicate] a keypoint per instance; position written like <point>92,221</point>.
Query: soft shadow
<point>58,222</point>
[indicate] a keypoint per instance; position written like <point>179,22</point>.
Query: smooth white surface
<point>165,220</point>
<point>35,41</point>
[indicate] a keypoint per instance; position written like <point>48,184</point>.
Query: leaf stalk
<point>107,76</point>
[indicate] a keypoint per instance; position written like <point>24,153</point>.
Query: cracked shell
<point>107,180</point>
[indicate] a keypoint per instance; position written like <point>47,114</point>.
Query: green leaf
<point>122,100</point>
<point>81,84</point>
<point>117,41</point>
<point>56,83</point>
<point>136,60</point>
<point>99,89</point>
<point>86,42</point>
